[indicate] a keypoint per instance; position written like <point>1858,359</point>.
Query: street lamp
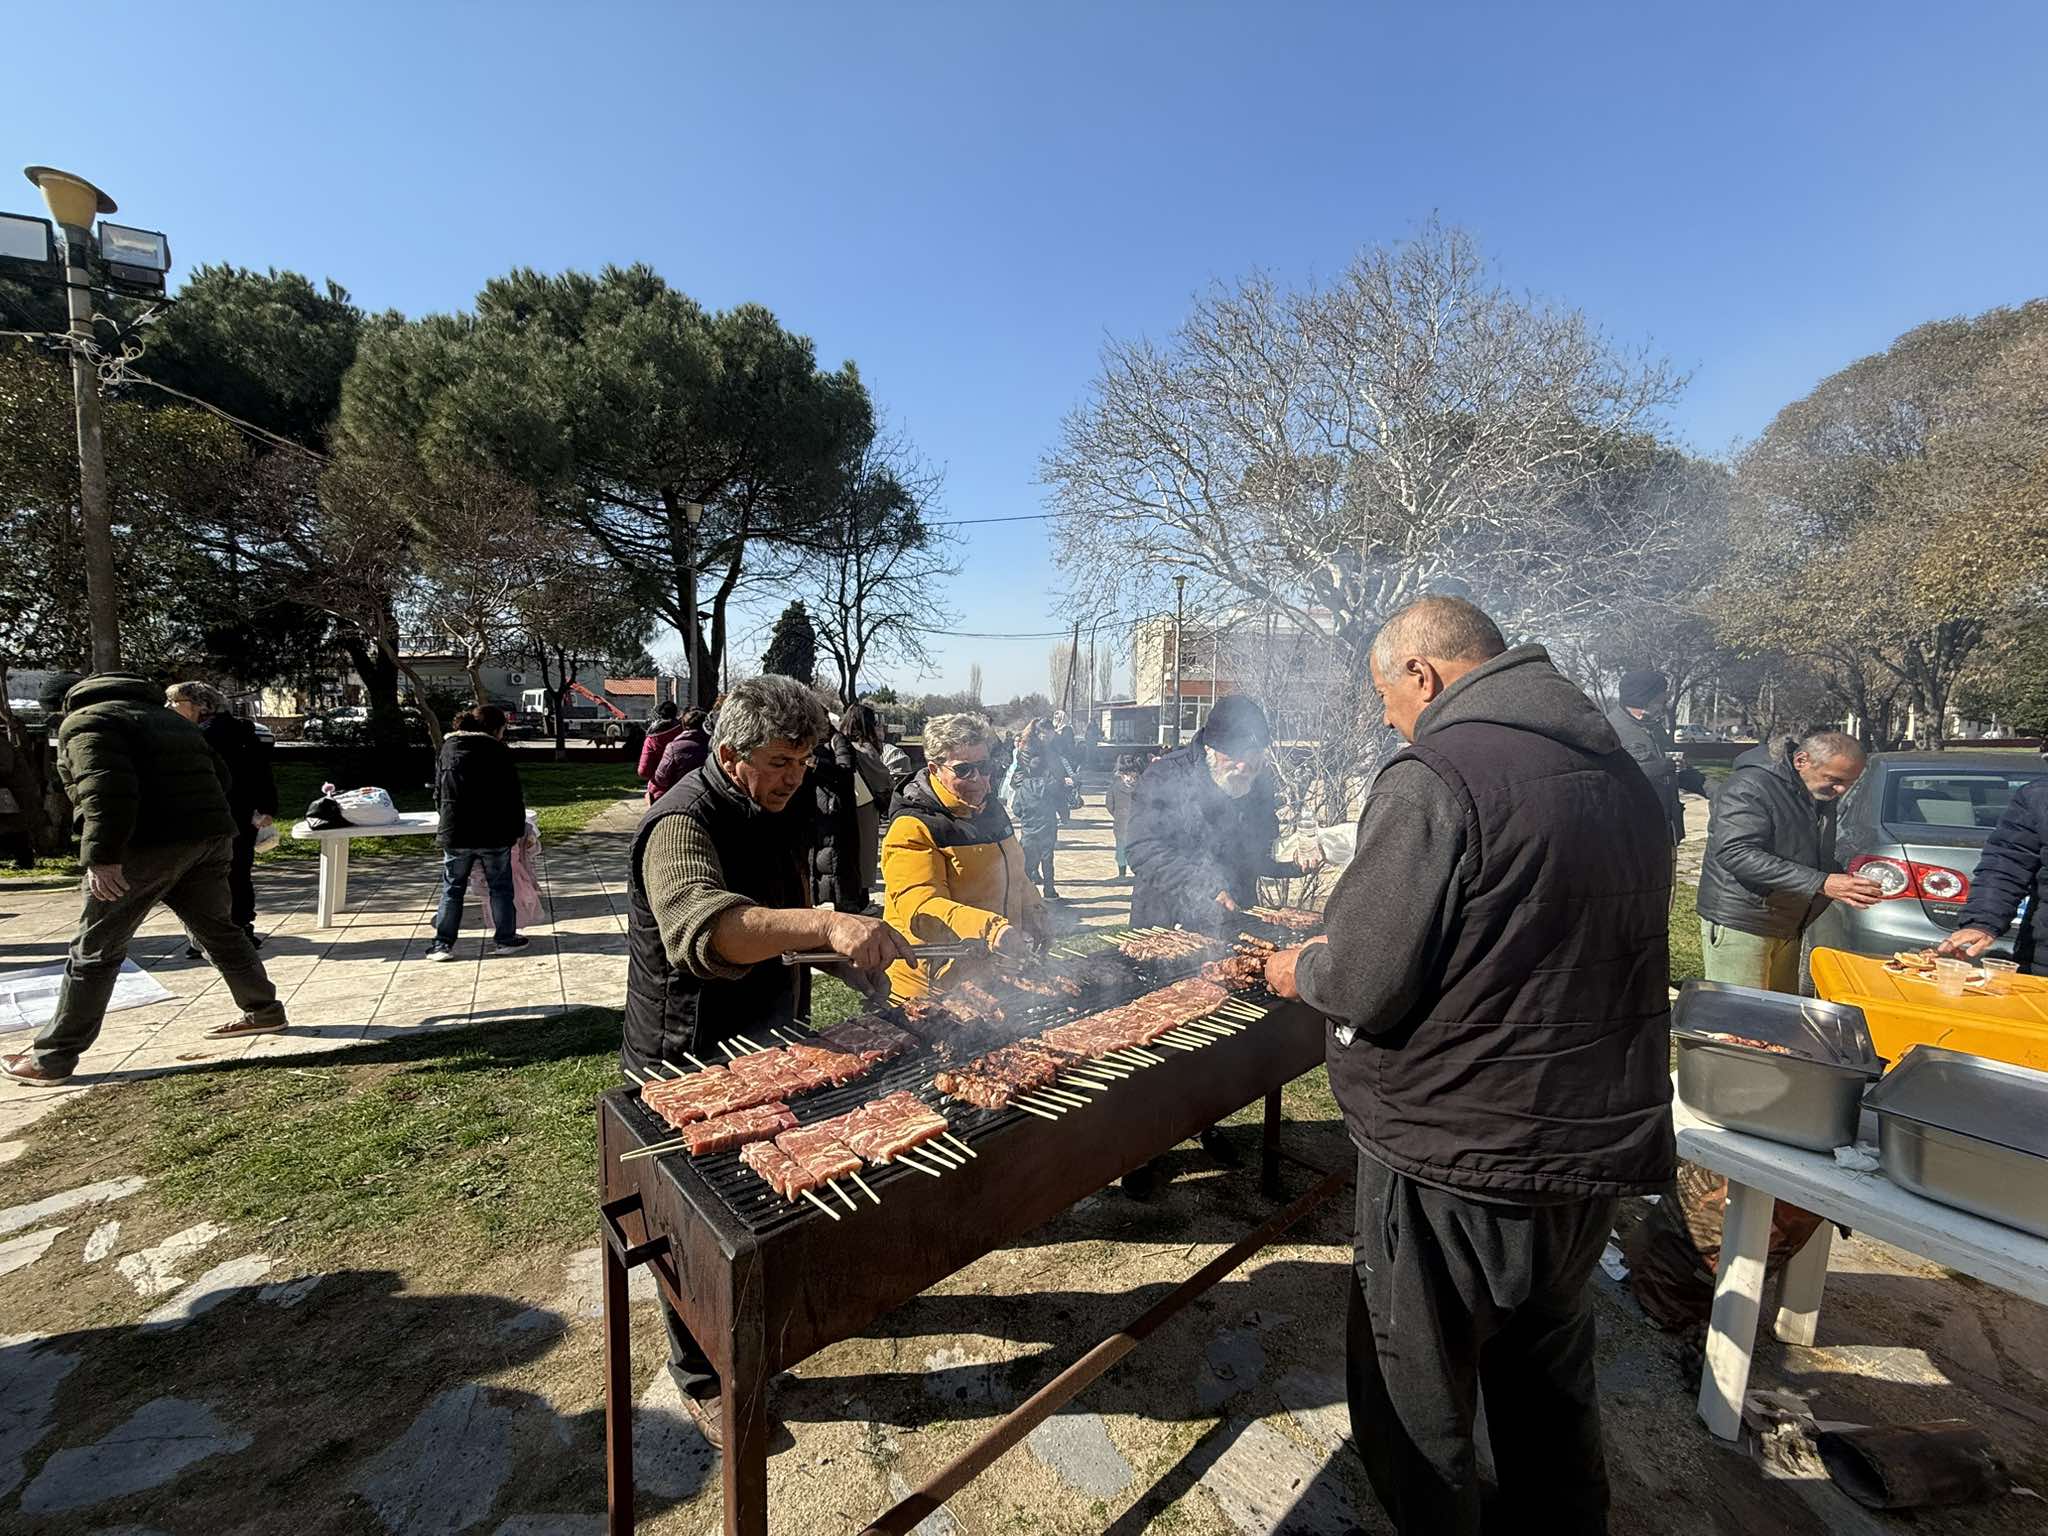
<point>693,514</point>
<point>73,201</point>
<point>1179,592</point>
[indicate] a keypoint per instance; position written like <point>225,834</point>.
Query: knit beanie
<point>1639,690</point>
<point>1236,726</point>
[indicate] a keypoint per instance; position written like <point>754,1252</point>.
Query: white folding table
<point>334,841</point>
<point>1759,1172</point>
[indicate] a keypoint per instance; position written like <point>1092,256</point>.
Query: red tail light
<point>1900,878</point>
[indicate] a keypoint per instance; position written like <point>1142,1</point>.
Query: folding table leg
<point>324,902</point>
<point>1738,1297</point>
<point>1799,1292</point>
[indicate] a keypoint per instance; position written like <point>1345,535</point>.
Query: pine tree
<point>793,647</point>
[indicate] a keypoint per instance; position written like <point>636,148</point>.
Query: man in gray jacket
<point>1638,720</point>
<point>1495,975</point>
<point>1770,868</point>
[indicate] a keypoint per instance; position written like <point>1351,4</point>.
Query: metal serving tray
<point>1809,1099</point>
<point>1969,1132</point>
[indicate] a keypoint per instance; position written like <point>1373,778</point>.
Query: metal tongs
<point>959,949</point>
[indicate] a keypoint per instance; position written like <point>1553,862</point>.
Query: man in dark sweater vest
<point>718,891</point>
<point>1495,974</point>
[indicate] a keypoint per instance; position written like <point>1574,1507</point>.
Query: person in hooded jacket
<point>667,721</point>
<point>252,789</point>
<point>684,752</point>
<point>1638,721</point>
<point>483,813</point>
<point>874,786</point>
<point>1494,972</point>
<point>1204,824</point>
<point>840,858</point>
<point>1121,800</point>
<point>150,801</point>
<point>1770,867</point>
<point>1034,794</point>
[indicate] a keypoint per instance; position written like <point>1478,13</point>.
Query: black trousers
<point>241,877</point>
<point>1455,1298</point>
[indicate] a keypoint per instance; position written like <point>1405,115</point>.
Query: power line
<point>976,522</point>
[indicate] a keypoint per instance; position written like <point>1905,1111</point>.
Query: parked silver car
<point>1916,824</point>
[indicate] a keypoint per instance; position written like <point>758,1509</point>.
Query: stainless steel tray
<point>1967,1132</point>
<point>1810,1098</point>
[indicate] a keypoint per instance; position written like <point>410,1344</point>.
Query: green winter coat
<point>137,773</point>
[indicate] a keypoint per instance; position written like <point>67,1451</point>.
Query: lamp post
<point>72,202</point>
<point>693,514</point>
<point>1180,584</point>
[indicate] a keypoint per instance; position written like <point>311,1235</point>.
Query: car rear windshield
<point>1952,797</point>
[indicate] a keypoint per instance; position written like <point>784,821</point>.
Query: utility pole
<point>73,201</point>
<point>1179,607</point>
<point>693,517</point>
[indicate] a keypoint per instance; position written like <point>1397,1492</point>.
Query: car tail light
<point>1904,878</point>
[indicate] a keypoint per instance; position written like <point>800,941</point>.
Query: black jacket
<point>837,879</point>
<point>251,787</point>
<point>1648,743</point>
<point>2014,869</point>
<point>1188,840</point>
<point>1498,961</point>
<point>477,790</point>
<point>1770,849</point>
<point>138,775</point>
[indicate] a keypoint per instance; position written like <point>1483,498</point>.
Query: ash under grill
<point>1112,979</point>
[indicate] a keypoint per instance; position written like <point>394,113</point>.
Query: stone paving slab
<point>152,1447</point>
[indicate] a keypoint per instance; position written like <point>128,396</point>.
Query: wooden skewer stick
<point>863,1183</point>
<point>785,1039</point>
<point>1043,1114</point>
<point>945,1157</point>
<point>1061,1096</point>
<point>838,1190</point>
<point>1055,1108</point>
<point>672,1067</point>
<point>1176,1045</point>
<point>1088,1080</point>
<point>638,1080</point>
<point>757,1045</point>
<point>949,1136</point>
<point>812,1196</point>
<point>932,1165</point>
<point>652,1149</point>
<point>730,1053</point>
<point>904,1159</point>
<point>693,1061</point>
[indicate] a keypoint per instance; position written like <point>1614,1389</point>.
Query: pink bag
<point>526,903</point>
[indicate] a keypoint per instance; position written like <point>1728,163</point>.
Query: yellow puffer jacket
<point>946,875</point>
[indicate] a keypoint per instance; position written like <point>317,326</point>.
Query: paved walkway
<point>367,979</point>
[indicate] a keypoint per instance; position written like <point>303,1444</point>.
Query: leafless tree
<point>974,682</point>
<point>1328,453</point>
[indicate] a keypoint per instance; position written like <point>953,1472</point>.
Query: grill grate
<point>763,1211</point>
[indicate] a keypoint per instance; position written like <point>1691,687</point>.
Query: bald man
<point>1495,976</point>
<point>1770,868</point>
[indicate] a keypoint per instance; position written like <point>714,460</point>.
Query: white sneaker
<point>440,952</point>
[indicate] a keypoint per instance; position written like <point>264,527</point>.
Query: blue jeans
<point>455,866</point>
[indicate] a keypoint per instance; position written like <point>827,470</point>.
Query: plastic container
<point>1951,975</point>
<point>1808,1094</point>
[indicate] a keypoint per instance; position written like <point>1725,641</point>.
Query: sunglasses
<point>967,770</point>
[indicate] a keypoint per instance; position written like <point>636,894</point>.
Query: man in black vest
<point>719,889</point>
<point>1495,974</point>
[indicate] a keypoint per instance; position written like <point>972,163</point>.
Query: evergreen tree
<point>793,647</point>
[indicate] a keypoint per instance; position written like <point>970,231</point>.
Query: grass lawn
<point>1686,964</point>
<point>563,796</point>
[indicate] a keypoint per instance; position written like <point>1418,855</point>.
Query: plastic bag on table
<point>365,807</point>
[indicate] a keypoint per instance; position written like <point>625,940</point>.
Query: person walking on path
<point>1121,800</point>
<point>683,754</point>
<point>1770,866</point>
<point>252,789</point>
<point>150,800</point>
<point>667,722</point>
<point>847,837</point>
<point>873,790</point>
<point>483,813</point>
<point>1498,1043</point>
<point>1034,795</point>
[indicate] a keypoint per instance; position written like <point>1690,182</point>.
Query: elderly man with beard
<point>1495,975</point>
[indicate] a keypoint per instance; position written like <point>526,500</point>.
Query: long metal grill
<point>1109,978</point>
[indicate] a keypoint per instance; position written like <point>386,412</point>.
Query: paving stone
<point>102,1241</point>
<point>210,1290</point>
<point>552,1525</point>
<point>1317,1404</point>
<point>444,1473</point>
<point>671,1458</point>
<point>10,1150</point>
<point>153,1271</point>
<point>953,1375</point>
<point>1233,1364</point>
<point>1077,1446</point>
<point>939,1522</point>
<point>30,1374</point>
<point>16,1217</point>
<point>20,1252</point>
<point>159,1441</point>
<point>289,1293</point>
<point>1264,1482</point>
<point>532,1320</point>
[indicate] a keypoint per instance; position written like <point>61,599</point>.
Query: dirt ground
<point>409,1393</point>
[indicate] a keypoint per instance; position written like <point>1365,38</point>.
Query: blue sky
<point>967,198</point>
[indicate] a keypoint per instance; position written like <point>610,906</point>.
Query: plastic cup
<point>1998,974</point>
<point>1950,974</point>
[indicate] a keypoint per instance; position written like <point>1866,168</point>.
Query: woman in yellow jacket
<point>952,867</point>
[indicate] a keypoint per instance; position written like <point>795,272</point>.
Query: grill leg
<point>618,1397</point>
<point>744,1398</point>
<point>1269,1147</point>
